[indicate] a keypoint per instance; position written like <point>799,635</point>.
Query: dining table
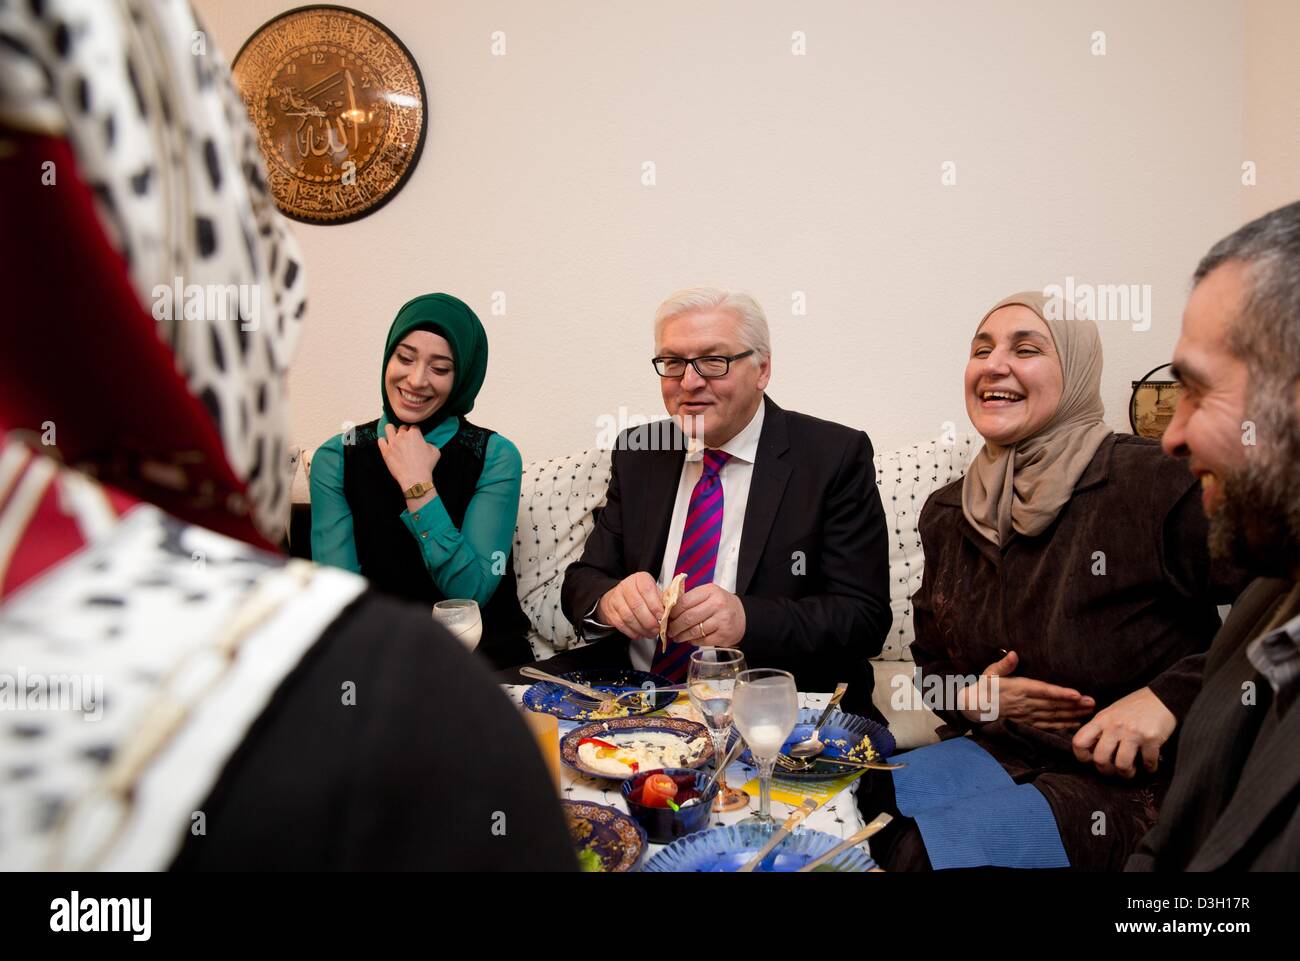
<point>837,816</point>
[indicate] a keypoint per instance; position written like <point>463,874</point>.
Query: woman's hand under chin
<point>410,459</point>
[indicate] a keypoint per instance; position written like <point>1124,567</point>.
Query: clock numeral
<point>317,59</point>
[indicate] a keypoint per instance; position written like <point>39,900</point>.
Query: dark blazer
<point>814,561</point>
<point>1233,804</point>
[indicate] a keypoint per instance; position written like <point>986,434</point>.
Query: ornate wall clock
<point>339,107</point>
<point>1152,404</point>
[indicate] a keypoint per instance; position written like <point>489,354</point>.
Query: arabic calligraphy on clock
<point>338,109</point>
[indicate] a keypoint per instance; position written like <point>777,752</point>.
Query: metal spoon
<point>875,827</point>
<point>813,746</point>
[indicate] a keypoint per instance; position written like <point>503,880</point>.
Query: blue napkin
<point>941,773</point>
<point>972,814</point>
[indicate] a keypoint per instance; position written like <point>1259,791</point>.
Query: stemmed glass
<point>710,681</point>
<point>462,619</point>
<point>766,707</point>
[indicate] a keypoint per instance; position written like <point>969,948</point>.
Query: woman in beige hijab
<point>1070,564</point>
<point>1038,406</point>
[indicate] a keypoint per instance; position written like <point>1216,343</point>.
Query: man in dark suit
<point>773,517</point>
<point>1233,801</point>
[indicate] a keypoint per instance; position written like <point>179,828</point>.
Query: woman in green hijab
<point>421,501</point>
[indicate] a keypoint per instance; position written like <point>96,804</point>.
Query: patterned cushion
<point>556,513</point>
<point>906,478</point>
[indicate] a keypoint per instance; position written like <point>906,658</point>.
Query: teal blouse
<point>463,563</point>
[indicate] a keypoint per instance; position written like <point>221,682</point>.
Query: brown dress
<point>1117,594</point>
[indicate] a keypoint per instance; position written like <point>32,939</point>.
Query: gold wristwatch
<point>417,490</point>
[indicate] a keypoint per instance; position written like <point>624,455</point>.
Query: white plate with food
<point>619,748</point>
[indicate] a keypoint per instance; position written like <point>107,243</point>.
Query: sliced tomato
<point>598,742</point>
<point>657,790</point>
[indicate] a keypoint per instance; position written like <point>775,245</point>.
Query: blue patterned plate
<point>545,697</point>
<point>729,848</point>
<point>605,836</point>
<point>622,729</point>
<point>841,734</point>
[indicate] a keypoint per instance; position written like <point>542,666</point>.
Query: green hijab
<point>448,317</point>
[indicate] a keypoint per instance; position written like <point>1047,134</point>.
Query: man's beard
<point>1257,525</point>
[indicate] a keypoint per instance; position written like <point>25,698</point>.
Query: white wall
<point>1272,107</point>
<point>780,173</point>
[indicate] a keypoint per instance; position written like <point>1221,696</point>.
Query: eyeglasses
<point>714,365</point>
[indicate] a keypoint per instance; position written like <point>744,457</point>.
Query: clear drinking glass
<point>462,619</point>
<point>710,682</point>
<point>765,707</point>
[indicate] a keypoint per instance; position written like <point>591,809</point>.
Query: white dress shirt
<point>736,474</point>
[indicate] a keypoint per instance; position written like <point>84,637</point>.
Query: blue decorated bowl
<point>664,825</point>
<point>730,848</point>
<point>546,697</point>
<point>841,733</point>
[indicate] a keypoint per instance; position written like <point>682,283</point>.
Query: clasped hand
<point>1138,724</point>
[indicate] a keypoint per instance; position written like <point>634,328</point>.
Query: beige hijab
<point>1024,487</point>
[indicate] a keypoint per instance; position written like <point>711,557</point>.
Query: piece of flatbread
<point>670,597</point>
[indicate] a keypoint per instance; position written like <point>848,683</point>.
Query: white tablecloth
<point>838,817</point>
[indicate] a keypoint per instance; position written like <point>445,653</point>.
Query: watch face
<point>339,107</point>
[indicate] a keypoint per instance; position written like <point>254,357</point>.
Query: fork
<point>798,764</point>
<point>793,821</point>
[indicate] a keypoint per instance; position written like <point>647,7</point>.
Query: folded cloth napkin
<point>971,814</point>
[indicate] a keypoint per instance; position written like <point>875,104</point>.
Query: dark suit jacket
<point>1233,802</point>
<point>814,561</point>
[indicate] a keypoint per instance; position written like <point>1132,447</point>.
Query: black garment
<point>389,556</point>
<point>1234,804</point>
<point>813,572</point>
<point>607,654</point>
<point>1091,603</point>
<point>393,782</point>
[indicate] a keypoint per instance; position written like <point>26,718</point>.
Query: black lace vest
<point>388,554</point>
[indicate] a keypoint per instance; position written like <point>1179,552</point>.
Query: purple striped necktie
<point>697,556</point>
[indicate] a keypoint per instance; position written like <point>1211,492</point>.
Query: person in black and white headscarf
<point>173,692</point>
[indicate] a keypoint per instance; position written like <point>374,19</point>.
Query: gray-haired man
<point>772,518</point>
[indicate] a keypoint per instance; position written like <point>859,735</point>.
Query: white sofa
<point>556,507</point>
<point>555,517</point>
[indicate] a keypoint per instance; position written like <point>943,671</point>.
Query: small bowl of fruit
<point>668,803</point>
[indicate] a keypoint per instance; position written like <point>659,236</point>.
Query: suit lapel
<point>1227,669</point>
<point>656,493</point>
<point>1268,781</point>
<point>766,488</point>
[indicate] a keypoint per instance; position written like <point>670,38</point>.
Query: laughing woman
<point>1070,563</point>
<point>421,501</point>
